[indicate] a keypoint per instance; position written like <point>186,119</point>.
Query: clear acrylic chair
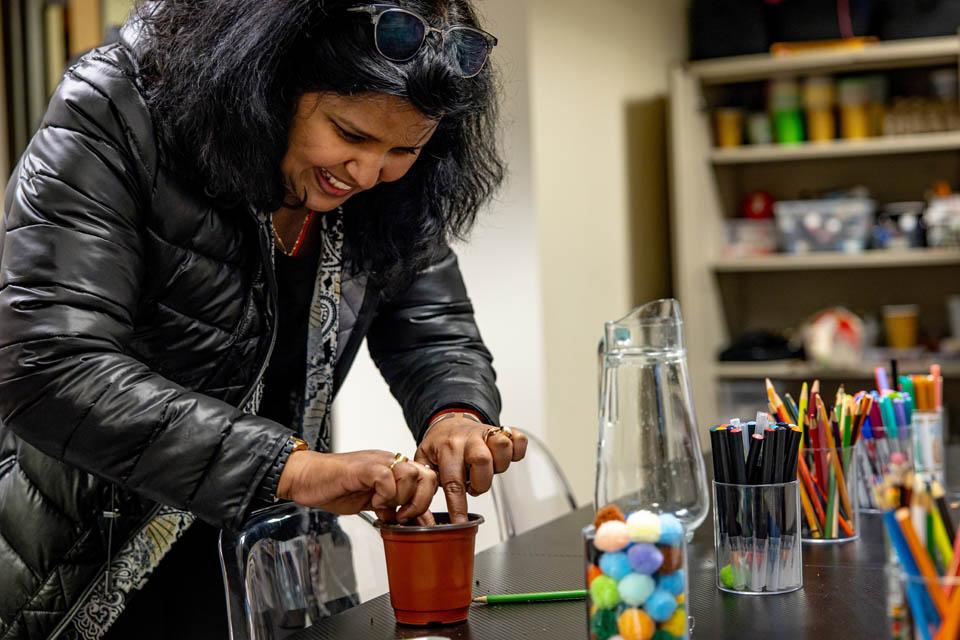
<point>532,492</point>
<point>291,566</point>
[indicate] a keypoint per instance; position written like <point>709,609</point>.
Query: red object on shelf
<point>758,205</point>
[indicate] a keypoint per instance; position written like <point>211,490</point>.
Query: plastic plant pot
<point>430,569</point>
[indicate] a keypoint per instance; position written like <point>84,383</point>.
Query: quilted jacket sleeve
<point>71,268</point>
<point>428,348</point>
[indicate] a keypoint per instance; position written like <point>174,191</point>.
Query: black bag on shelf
<point>800,20</point>
<point>720,28</point>
<point>918,18</point>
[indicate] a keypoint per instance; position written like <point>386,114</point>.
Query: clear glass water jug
<point>648,453</point>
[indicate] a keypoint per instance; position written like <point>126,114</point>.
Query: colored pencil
<point>517,598</point>
<point>923,561</point>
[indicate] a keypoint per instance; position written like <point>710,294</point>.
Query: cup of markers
<point>886,435</point>
<point>636,574</point>
<point>756,509</point>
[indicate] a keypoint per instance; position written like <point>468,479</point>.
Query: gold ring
<point>397,459</point>
<point>489,432</point>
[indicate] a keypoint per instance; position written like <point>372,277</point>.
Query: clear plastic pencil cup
<point>829,494</point>
<point>635,589</point>
<point>913,611</point>
<point>928,443</point>
<point>756,534</point>
<point>875,457</point>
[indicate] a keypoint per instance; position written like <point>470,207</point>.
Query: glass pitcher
<point>648,453</point>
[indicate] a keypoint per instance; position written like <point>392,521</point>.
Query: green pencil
<point>515,598</point>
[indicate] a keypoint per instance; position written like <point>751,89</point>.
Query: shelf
<point>882,146</point>
<point>917,52</point>
<point>799,370</point>
<point>838,261</point>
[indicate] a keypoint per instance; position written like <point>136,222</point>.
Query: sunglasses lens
<point>469,48</point>
<point>399,35</point>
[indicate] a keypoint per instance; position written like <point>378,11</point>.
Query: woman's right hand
<point>348,483</point>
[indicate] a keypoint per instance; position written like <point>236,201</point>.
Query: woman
<point>213,215</point>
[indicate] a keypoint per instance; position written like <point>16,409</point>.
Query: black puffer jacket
<point>135,317</point>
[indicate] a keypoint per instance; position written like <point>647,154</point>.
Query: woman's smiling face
<point>341,145</point>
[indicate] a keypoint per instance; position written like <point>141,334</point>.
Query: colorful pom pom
<point>635,624</point>
<point>616,565</point>
<point>726,576</point>
<point>645,558</point>
<point>603,624</point>
<point>603,592</point>
<point>661,605</point>
<point>672,558</point>
<point>671,529</point>
<point>677,624</point>
<point>611,536</point>
<point>608,513</point>
<point>636,588</point>
<point>643,526</point>
<point>593,571</point>
<point>672,583</point>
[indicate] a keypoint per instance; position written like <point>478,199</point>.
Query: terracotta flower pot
<point>430,569</point>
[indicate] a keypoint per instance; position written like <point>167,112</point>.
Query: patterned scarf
<point>322,334</point>
<point>132,565</point>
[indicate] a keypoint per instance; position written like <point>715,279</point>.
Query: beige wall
<point>501,268</point>
<point>597,85</point>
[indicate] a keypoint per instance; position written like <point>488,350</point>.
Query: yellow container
<point>902,324</point>
<point>821,126</point>
<point>729,128</point>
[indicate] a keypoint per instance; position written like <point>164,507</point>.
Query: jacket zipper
<point>263,241</point>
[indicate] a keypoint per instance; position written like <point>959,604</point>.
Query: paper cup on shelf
<point>902,324</point>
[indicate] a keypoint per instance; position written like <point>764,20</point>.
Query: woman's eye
<point>411,151</point>
<point>349,137</point>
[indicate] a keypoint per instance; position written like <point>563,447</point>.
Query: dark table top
<point>843,592</point>
<point>843,595</point>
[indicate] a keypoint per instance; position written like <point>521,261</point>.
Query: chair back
<point>531,493</point>
<point>291,566</point>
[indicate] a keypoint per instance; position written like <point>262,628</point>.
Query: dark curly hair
<point>223,78</point>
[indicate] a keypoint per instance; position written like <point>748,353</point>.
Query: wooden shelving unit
<point>838,261</point>
<point>889,145</point>
<point>723,297</point>
<point>805,371</point>
<point>919,52</point>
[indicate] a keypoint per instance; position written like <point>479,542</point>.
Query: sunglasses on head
<point>399,34</point>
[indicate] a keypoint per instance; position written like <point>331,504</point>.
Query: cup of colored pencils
<point>827,465</point>
<point>924,582</point>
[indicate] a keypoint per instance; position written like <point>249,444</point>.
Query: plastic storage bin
<point>841,224</point>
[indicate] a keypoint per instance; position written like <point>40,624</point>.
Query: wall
<point>501,269</point>
<point>579,234</point>
<point>599,75</point>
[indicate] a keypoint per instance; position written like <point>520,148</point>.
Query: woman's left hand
<point>458,446</point>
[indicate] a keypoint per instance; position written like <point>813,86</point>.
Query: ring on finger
<point>397,459</point>
<point>489,432</point>
<point>507,431</point>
